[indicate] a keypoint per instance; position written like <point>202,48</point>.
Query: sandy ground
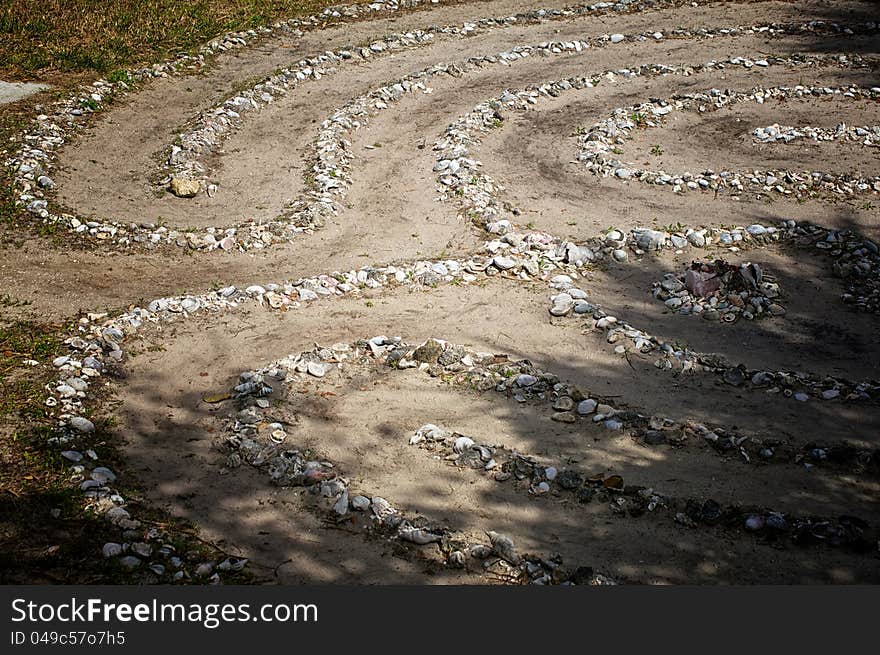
<point>393,215</point>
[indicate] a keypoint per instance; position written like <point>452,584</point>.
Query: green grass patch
<point>40,36</point>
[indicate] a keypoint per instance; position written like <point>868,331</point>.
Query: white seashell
<point>111,549</point>
<point>72,455</point>
<point>419,536</point>
<point>81,424</point>
<point>103,475</point>
<point>142,549</point>
<point>462,444</point>
<point>232,564</point>
<point>360,503</point>
<point>317,369</point>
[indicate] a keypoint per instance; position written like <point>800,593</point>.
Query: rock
<point>183,187</point>
<point>587,406</point>
<point>564,417</point>
<point>563,404</point>
<point>111,549</point>
<point>142,549</point>
<point>129,562</point>
<point>617,38</point>
<point>696,239</point>
<point>620,255</point>
<point>456,559</point>
<point>341,506</point>
<point>72,455</point>
<point>734,377</point>
<point>451,356</point>
<point>563,303</point>
<point>655,437</point>
<point>429,352</point>
<point>81,424</point>
<point>360,503</point>
<point>232,564</point>
<point>754,523</point>
<point>678,242</point>
<point>419,536</point>
<point>205,569</point>
<point>526,380</point>
<point>649,239</point>
<point>103,475</point>
<point>480,551</point>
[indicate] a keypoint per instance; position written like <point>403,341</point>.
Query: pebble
<point>103,475</point>
<point>129,562</point>
<point>111,549</point>
<point>81,424</point>
<point>586,407</point>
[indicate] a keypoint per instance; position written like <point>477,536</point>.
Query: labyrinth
<point>491,292</point>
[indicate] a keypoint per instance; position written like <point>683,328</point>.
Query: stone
<point>587,406</point>
<point>81,424</point>
<point>317,369</point>
<point>563,303</point>
<point>649,239</point>
<point>701,283</point>
<point>129,562</point>
<point>563,404</point>
<point>111,549</point>
<point>429,352</point>
<point>183,187</point>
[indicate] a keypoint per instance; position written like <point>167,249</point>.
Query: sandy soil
<point>393,215</point>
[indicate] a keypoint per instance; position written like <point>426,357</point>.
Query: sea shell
<point>419,536</point>
<point>503,546</point>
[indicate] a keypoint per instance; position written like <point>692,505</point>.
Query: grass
<point>46,534</point>
<point>41,37</point>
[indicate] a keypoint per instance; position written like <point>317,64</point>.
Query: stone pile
<point>721,292</point>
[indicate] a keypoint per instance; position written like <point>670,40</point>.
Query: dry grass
<point>44,37</point>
